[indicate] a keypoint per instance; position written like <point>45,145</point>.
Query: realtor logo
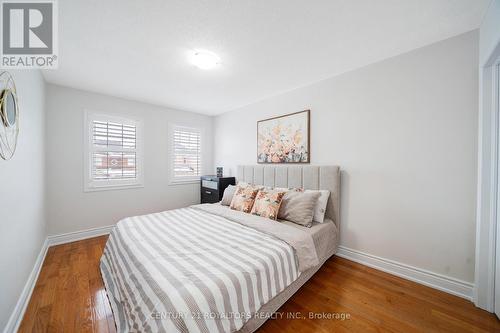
<point>29,34</point>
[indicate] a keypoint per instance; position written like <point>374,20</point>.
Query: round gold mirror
<point>9,108</point>
<point>9,116</point>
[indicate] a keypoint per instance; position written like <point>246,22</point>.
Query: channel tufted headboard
<point>309,177</point>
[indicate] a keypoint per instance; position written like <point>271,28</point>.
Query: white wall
<point>404,132</point>
<point>72,209</point>
<point>22,191</point>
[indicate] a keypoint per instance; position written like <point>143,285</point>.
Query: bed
<point>207,268</point>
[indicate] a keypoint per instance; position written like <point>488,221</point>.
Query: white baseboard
<point>437,281</point>
<point>79,235</point>
<point>17,315</point>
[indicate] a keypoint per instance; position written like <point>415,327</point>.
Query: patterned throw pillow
<point>286,189</point>
<point>245,184</point>
<point>243,198</point>
<point>267,203</point>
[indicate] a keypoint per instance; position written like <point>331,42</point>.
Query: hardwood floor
<point>69,297</point>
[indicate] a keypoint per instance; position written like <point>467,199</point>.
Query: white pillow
<point>320,208</point>
<point>228,195</point>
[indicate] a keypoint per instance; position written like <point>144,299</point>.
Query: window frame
<point>171,160</point>
<point>91,185</point>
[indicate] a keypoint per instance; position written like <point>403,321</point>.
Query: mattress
<point>207,268</point>
<point>324,236</point>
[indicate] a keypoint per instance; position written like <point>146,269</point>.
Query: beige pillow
<point>320,209</point>
<point>243,198</point>
<point>298,207</point>
<point>227,197</point>
<point>267,203</point>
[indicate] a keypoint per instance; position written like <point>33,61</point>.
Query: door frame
<point>496,249</point>
<point>488,186</point>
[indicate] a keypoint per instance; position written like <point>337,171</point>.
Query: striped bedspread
<point>189,270</point>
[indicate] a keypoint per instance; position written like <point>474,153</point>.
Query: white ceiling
<point>139,49</point>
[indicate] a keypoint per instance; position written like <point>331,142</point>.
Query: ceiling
<point>140,49</point>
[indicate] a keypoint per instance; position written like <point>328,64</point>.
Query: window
<point>186,154</point>
<point>112,155</point>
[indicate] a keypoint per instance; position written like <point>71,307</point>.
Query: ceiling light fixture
<point>205,59</point>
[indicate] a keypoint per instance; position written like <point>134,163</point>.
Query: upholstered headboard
<point>309,177</point>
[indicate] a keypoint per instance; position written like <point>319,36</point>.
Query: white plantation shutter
<point>112,152</point>
<point>186,153</point>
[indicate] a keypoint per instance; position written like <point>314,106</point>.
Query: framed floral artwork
<point>284,139</point>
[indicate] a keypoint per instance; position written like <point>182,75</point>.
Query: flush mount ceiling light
<point>205,60</point>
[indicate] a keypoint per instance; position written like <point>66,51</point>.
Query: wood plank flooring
<point>70,297</point>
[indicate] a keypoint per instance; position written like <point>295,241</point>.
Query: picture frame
<point>284,139</point>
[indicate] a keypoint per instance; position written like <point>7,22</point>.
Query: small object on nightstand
<point>212,188</point>
<point>220,172</point>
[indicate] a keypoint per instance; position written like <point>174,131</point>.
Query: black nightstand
<point>212,188</point>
